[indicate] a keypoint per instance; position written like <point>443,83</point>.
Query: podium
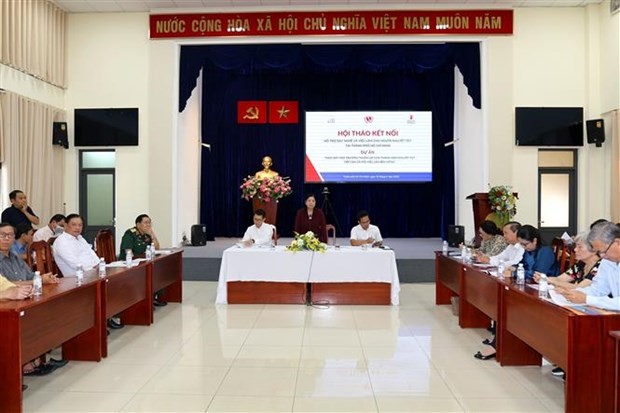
<point>482,209</point>
<point>270,208</point>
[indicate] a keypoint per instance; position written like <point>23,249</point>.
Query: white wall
<point>470,155</point>
<point>108,66</point>
<point>188,164</point>
<point>546,63</point>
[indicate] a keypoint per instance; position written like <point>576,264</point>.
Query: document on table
<point>559,299</point>
<point>123,264</point>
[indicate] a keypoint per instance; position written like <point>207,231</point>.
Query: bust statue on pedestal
<point>267,172</point>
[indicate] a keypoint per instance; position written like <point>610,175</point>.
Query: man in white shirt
<point>260,234</point>
<point>513,253</point>
<point>71,249</point>
<point>54,227</point>
<point>605,240</point>
<point>364,232</point>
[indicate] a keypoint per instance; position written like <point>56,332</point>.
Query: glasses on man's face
<point>601,253</point>
<point>7,235</point>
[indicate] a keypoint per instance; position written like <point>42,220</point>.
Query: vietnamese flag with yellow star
<point>283,111</point>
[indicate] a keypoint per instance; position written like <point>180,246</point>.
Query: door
<point>557,193</point>
<point>97,191</point>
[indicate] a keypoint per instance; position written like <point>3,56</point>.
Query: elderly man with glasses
<point>604,292</point>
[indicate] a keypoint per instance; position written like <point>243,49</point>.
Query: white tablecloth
<point>353,264</point>
<point>262,264</point>
<point>349,264</point>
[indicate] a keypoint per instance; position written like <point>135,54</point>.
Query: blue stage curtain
<point>324,78</point>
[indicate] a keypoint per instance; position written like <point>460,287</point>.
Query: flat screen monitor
<point>106,127</point>
<point>549,126</point>
<point>369,146</point>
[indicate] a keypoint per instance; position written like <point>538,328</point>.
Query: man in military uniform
<point>137,239</point>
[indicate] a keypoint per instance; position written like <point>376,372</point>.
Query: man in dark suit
<point>19,211</point>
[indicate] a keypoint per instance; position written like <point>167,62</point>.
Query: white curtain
<point>29,160</point>
<point>32,38</point>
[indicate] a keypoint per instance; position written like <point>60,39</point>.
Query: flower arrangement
<point>307,242</point>
<point>503,203</point>
<point>265,189</point>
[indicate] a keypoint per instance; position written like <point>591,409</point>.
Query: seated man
<point>604,292</point>
<point>54,228</point>
<point>12,266</point>
<point>260,234</point>
<point>71,249</point>
<point>23,238</point>
<point>364,232</point>
<point>137,239</point>
<point>19,211</point>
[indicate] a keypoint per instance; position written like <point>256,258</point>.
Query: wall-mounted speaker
<point>596,131</point>
<point>199,235</point>
<point>59,134</point>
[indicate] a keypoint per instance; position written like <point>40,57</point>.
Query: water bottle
<point>543,286</point>
<point>464,253</point>
<point>444,248</point>
<point>148,253</point>
<point>501,268</point>
<point>128,258</point>
<point>101,268</point>
<point>520,275</point>
<point>37,284</point>
<point>79,274</point>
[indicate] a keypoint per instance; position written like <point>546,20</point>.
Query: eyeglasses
<point>601,253</point>
<point>4,235</point>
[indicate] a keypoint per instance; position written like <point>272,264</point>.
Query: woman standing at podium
<point>311,218</point>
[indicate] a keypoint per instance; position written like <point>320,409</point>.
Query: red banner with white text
<point>377,22</point>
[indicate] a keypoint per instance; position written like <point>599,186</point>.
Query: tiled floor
<point>264,358</point>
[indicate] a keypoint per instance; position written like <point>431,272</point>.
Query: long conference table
<point>74,317</point>
<point>349,275</point>
<point>529,328</point>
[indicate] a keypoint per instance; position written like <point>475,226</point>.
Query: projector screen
<point>368,147</point>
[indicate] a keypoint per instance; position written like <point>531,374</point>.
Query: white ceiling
<point>108,6</point>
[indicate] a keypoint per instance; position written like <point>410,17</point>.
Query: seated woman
<point>311,218</point>
<point>579,275</point>
<point>582,272</point>
<point>493,242</point>
<point>536,258</point>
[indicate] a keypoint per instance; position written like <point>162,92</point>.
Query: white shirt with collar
<point>512,255</point>
<point>43,234</point>
<point>262,236</point>
<point>606,281</point>
<point>70,251</point>
<point>361,234</point>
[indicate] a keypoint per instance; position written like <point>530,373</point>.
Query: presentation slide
<point>368,147</point>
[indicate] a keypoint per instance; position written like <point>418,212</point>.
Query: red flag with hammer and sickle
<point>251,111</point>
